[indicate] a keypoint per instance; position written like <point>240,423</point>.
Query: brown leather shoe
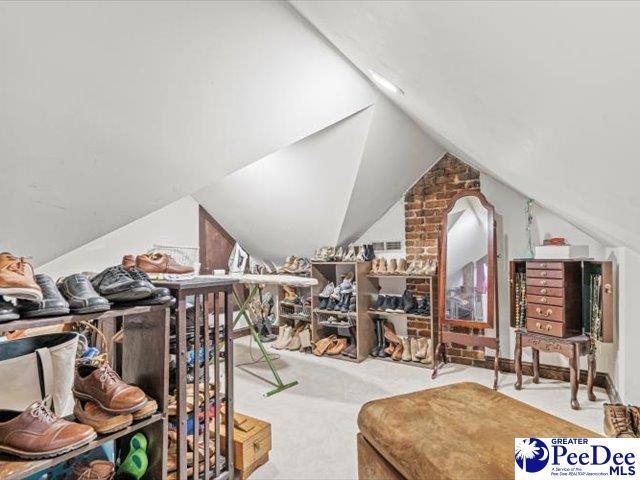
<point>128,261</point>
<point>156,263</point>
<point>617,421</point>
<point>17,278</point>
<point>149,409</point>
<point>390,333</point>
<point>322,345</point>
<point>397,352</point>
<point>96,470</point>
<point>38,433</point>
<point>102,422</point>
<point>105,388</point>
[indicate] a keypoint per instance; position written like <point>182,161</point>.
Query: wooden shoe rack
<point>142,359</point>
<point>398,283</point>
<point>326,272</point>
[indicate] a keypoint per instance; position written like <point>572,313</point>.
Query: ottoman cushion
<point>464,430</point>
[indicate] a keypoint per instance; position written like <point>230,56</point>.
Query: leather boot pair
<point>285,335</point>
<point>621,421</point>
<point>421,350</point>
<point>38,433</point>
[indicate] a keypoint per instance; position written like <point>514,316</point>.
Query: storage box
<point>251,443</point>
<point>550,252</point>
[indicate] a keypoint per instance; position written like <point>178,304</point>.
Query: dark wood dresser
<point>556,297</point>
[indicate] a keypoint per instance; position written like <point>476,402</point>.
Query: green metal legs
<point>243,308</point>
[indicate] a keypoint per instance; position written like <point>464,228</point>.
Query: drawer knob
<point>543,265</point>
<point>548,328</point>
<point>543,291</point>
<point>543,274</point>
<point>539,325</point>
<point>543,300</point>
<point>543,282</point>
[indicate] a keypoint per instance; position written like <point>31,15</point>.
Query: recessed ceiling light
<point>384,83</point>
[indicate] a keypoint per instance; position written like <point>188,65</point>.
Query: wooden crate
<point>251,443</point>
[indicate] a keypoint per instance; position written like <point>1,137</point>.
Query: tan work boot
<point>382,266</point>
<point>305,339</point>
<point>617,421</point>
<point>414,350</point>
<point>401,267</point>
<point>374,266</point>
<point>428,357</point>
<point>392,266</point>
<point>422,347</point>
<point>406,350</point>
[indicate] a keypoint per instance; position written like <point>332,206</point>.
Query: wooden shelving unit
<point>146,329</point>
<point>326,272</point>
<point>374,287</point>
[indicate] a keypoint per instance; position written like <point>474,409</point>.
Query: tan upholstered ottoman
<point>460,431</point>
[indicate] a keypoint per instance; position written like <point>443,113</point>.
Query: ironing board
<point>256,283</point>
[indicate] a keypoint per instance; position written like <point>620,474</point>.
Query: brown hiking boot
<point>17,278</point>
<point>617,421</point>
<point>39,433</point>
<point>160,263</point>
<point>96,470</point>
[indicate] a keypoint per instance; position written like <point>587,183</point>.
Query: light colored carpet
<point>314,423</point>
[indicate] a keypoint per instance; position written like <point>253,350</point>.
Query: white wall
<point>626,375</point>
<point>176,224</point>
<point>513,243</point>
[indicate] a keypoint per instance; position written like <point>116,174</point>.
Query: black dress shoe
<point>52,303</point>
<point>115,284</point>
<point>82,298</point>
<point>159,295</point>
<point>8,311</point>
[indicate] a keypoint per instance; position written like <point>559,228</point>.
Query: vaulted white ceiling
<point>111,110</point>
<point>542,95</point>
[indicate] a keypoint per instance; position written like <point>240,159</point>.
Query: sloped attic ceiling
<point>325,189</point>
<point>111,110</point>
<point>542,95</point>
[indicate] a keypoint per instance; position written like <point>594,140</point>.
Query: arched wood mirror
<point>467,281</point>
<point>467,268</point>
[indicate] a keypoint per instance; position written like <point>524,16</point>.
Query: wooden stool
<point>572,348</point>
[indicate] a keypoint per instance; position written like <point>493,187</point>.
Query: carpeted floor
<point>314,423</point>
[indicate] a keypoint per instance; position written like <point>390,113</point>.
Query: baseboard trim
<point>552,372</point>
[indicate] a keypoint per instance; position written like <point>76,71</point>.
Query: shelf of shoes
<point>144,329</point>
<point>385,279</point>
<point>355,294</point>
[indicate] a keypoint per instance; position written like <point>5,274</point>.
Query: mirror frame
<point>491,265</point>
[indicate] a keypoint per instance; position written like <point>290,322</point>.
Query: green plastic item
<point>139,442</point>
<point>135,465</point>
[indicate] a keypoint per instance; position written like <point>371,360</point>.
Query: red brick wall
<point>424,206</point>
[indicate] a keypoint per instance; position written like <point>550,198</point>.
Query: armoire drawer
<point>544,273</point>
<point>545,300</point>
<point>546,291</point>
<point>544,265</point>
<point>545,282</point>
<point>555,329</point>
<point>545,312</point>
